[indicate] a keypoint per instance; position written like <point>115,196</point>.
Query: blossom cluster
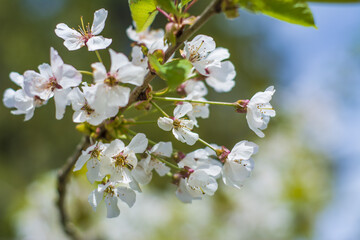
<point>111,164</point>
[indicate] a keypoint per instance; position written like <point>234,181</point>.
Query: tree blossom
<point>85,112</point>
<point>108,91</point>
<point>85,36</point>
<point>259,111</point>
<point>111,193</point>
<point>55,80</point>
<point>143,171</point>
<point>221,78</point>
<point>238,163</point>
<point>93,156</point>
<point>194,88</point>
<point>181,128</point>
<point>19,100</point>
<point>153,39</point>
<point>121,159</point>
<point>200,176</point>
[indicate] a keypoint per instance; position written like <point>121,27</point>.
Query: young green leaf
<point>168,6</point>
<point>143,13</point>
<point>292,11</point>
<point>183,3</point>
<point>174,72</point>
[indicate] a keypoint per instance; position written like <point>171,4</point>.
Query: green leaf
<point>183,3</point>
<point>292,11</point>
<point>143,13</point>
<point>168,6</point>
<point>174,72</point>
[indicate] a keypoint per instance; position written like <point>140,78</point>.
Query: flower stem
<point>159,108</point>
<point>166,162</point>
<point>207,144</point>
<point>141,122</point>
<point>194,101</point>
<point>98,56</point>
<point>164,13</point>
<point>85,72</point>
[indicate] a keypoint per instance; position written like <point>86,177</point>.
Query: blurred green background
<point>295,174</point>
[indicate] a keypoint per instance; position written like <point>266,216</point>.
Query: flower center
<point>194,53</point>
<point>121,161</point>
<point>87,109</point>
<point>111,81</point>
<point>53,84</point>
<point>85,32</point>
<point>176,123</point>
<point>109,190</point>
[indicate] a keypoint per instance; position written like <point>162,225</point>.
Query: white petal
<point>70,77</point>
<point>161,168</point>
<point>165,123</point>
<point>77,99</point>
<point>46,71</point>
<point>139,143</point>
<point>114,148</point>
<point>132,74</point>
<point>93,174</point>
<point>95,198</point>
<point>61,101</point>
<point>111,206</point>
<point>99,72</point>
<point>126,195</point>
<point>221,78</point>
<point>8,98</point>
<point>141,175</point>
<point>56,63</point>
<point>219,54</point>
<point>182,109</point>
<point>118,96</point>
<point>99,21</point>
<point>81,161</point>
<point>72,38</point>
<point>117,60</point>
<point>17,78</point>
<point>182,193</point>
<point>98,42</point>
<point>163,149</point>
<point>243,150</point>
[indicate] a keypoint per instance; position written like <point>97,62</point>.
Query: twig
<point>62,179</point>
<point>214,7</point>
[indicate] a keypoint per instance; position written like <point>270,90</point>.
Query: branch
<point>212,9</point>
<point>63,175</point>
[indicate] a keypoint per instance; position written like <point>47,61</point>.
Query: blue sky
<point>320,78</point>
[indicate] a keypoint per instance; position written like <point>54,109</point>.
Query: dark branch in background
<point>212,9</point>
<point>63,176</point>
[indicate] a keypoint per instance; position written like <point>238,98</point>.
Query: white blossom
<point>259,111</point>
<point>93,156</point>
<point>120,159</point>
<point>194,88</point>
<point>221,78</point>
<point>153,39</point>
<point>55,80</point>
<point>181,128</point>
<point>201,179</point>
<point>86,36</point>
<point>108,91</point>
<point>19,100</point>
<point>111,193</point>
<point>143,171</point>
<point>84,112</point>
<point>239,164</point>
